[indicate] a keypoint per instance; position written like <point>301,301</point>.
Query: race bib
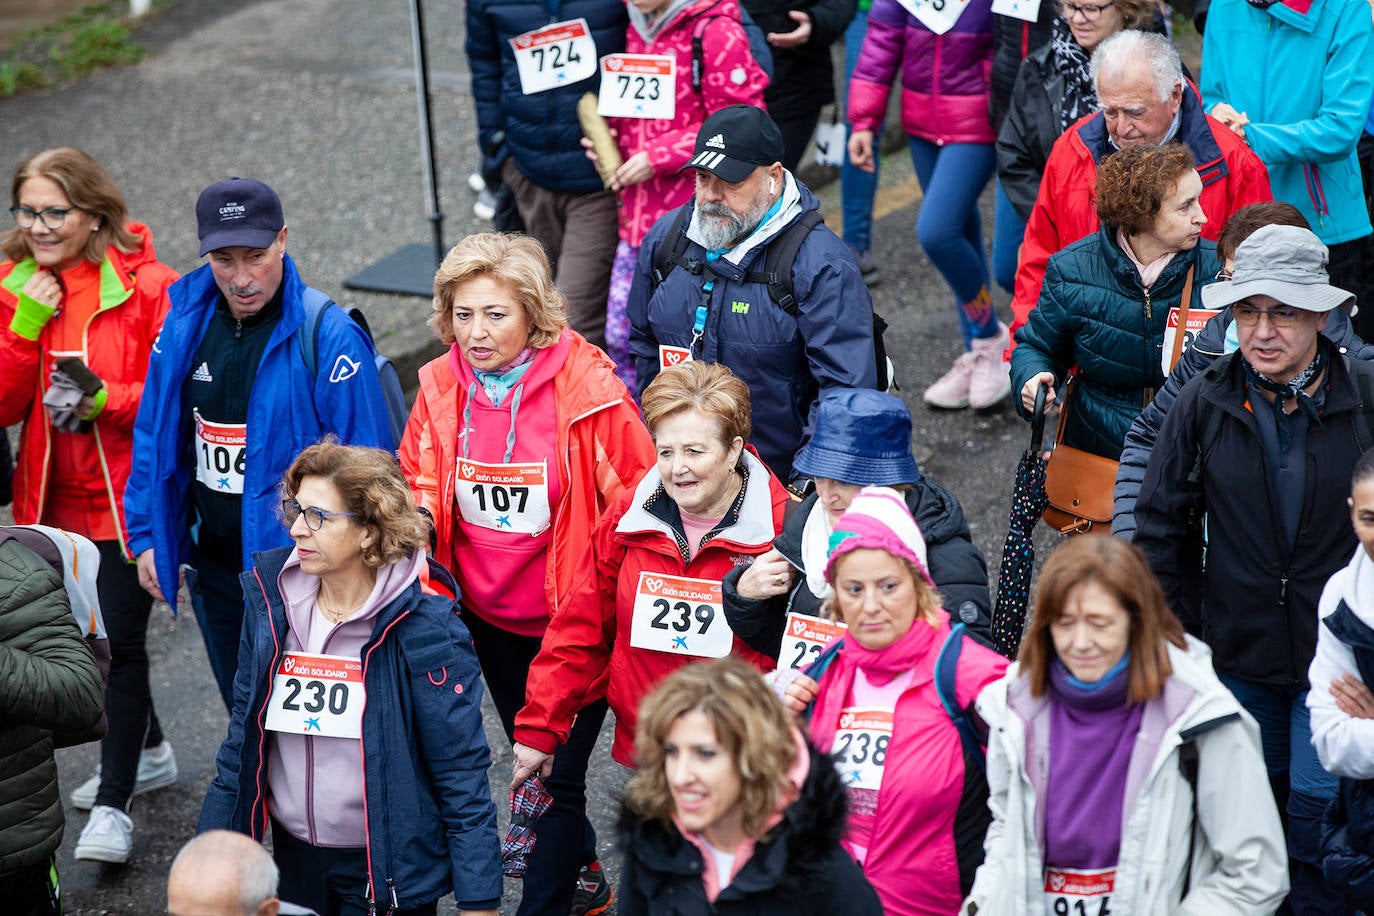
<point>1079,892</point>
<point>1025,10</point>
<point>805,638</point>
<point>668,357</point>
<point>937,15</point>
<point>1196,319</point>
<point>638,86</point>
<point>860,746</point>
<point>830,144</point>
<point>220,449</point>
<point>556,55</point>
<point>504,497</point>
<point>317,695</point>
<point>680,616</point>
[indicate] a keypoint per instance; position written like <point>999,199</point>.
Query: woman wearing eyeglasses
<point>1054,89</point>
<point>1107,298</point>
<point>352,651</point>
<point>82,298</point>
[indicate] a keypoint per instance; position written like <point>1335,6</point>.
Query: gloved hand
<point>81,375</point>
<point>62,399</point>
<point>38,302</point>
<point>72,376</point>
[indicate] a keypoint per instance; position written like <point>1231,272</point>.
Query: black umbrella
<point>1028,502</point>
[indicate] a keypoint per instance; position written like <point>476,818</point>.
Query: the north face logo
<point>717,142</point>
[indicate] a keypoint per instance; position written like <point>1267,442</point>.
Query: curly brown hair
<point>371,486</point>
<point>516,261</point>
<point>89,187</point>
<point>751,724</point>
<point>1133,184</point>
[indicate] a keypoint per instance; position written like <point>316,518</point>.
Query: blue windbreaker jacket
<point>431,824</point>
<point>288,410</point>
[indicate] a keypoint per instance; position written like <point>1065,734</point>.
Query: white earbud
<point>772,185</point>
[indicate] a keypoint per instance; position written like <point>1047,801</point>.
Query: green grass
<point>94,37</point>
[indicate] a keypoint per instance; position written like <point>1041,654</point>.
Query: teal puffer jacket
<point>48,680</point>
<point>1094,314</point>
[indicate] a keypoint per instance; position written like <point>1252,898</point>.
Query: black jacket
<point>1348,843</point>
<point>1210,343</point>
<point>797,868</point>
<point>1029,128</point>
<point>956,565</point>
<point>1012,41</point>
<point>803,79</point>
<point>1256,602</point>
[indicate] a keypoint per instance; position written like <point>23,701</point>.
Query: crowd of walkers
<point>659,472</point>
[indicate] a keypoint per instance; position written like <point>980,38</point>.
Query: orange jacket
<point>603,448</point>
<point>587,654</point>
<point>117,342</point>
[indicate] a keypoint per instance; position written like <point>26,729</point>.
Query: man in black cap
<point>229,401</point>
<point>1262,444</point>
<point>747,275</point>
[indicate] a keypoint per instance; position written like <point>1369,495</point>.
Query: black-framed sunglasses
<point>314,517</point>
<point>51,217</point>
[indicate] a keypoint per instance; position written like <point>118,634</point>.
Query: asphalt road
<point>315,97</point>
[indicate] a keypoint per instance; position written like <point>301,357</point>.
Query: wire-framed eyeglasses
<point>314,517</point>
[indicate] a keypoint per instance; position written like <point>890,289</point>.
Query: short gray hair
<point>252,865</point>
<point>1128,50</point>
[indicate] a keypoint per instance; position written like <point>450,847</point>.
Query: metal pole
<point>436,216</point>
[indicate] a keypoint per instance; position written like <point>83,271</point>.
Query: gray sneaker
<point>157,769</point>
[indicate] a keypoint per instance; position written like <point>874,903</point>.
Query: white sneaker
<point>157,769</point>
<point>107,837</point>
<point>951,390</point>
<point>990,382</point>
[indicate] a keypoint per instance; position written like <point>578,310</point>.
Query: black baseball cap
<point>238,212</point>
<point>734,141</point>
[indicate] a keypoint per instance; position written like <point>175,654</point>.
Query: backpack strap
<point>817,669</point>
<point>669,252</point>
<point>698,51</point>
<point>307,338</point>
<point>778,258</point>
<point>1362,374</point>
<point>946,671</point>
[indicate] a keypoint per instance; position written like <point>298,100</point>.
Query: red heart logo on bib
<point>798,627</point>
<point>672,359</point>
<point>614,64</point>
<point>468,470</point>
<point>289,664</point>
<point>1056,882</point>
<point>654,584</point>
<point>846,719</point>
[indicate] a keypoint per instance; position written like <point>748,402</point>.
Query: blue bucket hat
<point>860,437</point>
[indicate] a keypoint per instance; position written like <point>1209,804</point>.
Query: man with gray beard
<point>711,285</point>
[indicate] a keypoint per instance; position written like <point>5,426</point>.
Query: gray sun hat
<point>860,437</point>
<point>1285,262</point>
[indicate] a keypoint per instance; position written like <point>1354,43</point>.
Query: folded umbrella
<point>1028,502</point>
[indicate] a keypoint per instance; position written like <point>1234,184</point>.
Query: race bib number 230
<point>317,695</point>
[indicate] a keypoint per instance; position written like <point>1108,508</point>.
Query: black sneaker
<point>868,270</point>
<point>593,895</point>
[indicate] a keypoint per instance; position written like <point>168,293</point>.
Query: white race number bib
<point>937,15</point>
<point>1079,892</point>
<point>1025,10</point>
<point>317,695</point>
<point>220,450</point>
<point>860,747</point>
<point>668,357</point>
<point>638,86</point>
<point>804,638</point>
<point>1196,319</point>
<point>557,55</point>
<point>504,497</point>
<point>681,616</point>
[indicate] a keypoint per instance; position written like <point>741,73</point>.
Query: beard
<point>719,227</point>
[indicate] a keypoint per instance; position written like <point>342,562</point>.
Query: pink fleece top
<point>315,784</point>
<point>502,572</point>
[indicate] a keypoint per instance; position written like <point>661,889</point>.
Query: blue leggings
<point>857,187</point>
<point>1008,231</point>
<point>950,228</point>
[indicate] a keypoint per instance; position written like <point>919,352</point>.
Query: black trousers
<point>332,882</point>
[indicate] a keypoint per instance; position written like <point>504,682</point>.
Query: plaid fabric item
<point>527,803</point>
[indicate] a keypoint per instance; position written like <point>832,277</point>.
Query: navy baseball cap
<point>238,212</point>
<point>734,141</point>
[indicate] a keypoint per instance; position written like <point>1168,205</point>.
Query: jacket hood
<point>144,254</point>
<point>752,528</point>
<point>665,20</point>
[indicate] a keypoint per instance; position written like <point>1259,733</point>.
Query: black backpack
<point>758,45</point>
<point>778,257</point>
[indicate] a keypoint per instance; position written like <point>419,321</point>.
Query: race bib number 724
<point>556,55</point>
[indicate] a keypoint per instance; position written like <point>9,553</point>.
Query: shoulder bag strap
<point>1183,305</point>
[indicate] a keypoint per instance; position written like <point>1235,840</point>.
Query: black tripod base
<point>408,271</point>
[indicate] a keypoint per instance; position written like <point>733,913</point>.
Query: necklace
<point>334,615</point>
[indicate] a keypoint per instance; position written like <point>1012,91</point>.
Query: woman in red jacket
<point>520,437</point>
<point>82,298</point>
<point>648,600</point>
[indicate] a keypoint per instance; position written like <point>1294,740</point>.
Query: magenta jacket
<point>730,76</point>
<point>945,78</point>
<point>921,858</point>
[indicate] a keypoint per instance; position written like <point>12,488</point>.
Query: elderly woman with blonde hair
<point>356,734</point>
<point>731,810</point>
<point>520,437</point>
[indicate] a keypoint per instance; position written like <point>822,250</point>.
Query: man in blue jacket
<point>714,302</point>
<point>228,403</point>
<point>531,60</point>
<point>1293,79</point>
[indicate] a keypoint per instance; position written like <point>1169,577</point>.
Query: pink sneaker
<point>990,381</point>
<point>951,390</point>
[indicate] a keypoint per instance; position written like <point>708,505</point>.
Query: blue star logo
<point>856,775</point>
<point>224,483</point>
<point>680,642</point>
<point>503,521</point>
<point>313,723</point>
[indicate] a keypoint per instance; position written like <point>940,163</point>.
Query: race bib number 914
<point>1079,892</point>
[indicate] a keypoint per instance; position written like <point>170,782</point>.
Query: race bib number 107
<point>556,55</point>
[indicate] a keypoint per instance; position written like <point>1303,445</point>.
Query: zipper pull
<point>371,903</point>
<point>1283,589</point>
<point>394,906</point>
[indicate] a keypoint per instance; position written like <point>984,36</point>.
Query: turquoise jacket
<point>1302,71</point>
